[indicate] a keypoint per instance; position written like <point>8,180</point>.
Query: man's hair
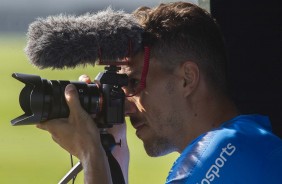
<point>178,32</point>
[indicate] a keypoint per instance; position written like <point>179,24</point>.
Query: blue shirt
<point>241,151</point>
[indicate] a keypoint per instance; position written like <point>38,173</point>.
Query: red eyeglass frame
<point>144,74</point>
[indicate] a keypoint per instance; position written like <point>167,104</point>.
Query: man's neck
<point>209,114</point>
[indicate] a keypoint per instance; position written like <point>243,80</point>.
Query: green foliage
<point>28,155</point>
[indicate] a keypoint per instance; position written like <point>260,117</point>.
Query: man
<point>184,107</point>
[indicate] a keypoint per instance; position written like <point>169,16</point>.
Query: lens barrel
<point>43,99</point>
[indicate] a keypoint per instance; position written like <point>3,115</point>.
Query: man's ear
<point>190,75</point>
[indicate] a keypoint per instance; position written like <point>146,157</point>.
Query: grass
<point>28,155</point>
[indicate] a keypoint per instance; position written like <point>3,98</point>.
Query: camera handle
<point>108,143</point>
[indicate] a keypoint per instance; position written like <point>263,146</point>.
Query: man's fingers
<point>77,114</point>
<point>72,99</point>
<point>41,126</point>
<point>85,78</point>
<point>47,125</point>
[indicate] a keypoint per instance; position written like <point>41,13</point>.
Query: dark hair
<point>180,31</point>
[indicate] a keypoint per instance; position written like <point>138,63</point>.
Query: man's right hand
<point>79,135</point>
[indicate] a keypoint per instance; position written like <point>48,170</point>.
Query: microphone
<point>66,41</point>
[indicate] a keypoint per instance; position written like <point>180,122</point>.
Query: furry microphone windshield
<point>67,41</point>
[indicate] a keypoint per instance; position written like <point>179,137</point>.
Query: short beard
<point>158,147</point>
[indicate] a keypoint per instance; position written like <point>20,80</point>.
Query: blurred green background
<point>29,155</point>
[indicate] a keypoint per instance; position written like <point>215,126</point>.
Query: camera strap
<point>116,172</point>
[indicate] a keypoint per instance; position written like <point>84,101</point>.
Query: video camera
<point>58,42</point>
<point>43,99</point>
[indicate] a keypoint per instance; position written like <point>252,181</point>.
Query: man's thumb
<point>72,98</point>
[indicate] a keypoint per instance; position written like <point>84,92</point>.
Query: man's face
<point>154,112</point>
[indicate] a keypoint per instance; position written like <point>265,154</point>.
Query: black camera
<point>64,41</point>
<point>43,99</point>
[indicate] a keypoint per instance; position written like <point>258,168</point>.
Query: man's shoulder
<point>237,149</point>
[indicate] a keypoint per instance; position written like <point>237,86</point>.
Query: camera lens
<point>43,99</point>
<point>55,105</point>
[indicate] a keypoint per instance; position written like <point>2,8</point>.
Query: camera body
<point>43,99</point>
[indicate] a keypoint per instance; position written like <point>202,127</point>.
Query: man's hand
<point>79,135</point>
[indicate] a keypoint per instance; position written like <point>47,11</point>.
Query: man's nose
<point>130,107</point>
